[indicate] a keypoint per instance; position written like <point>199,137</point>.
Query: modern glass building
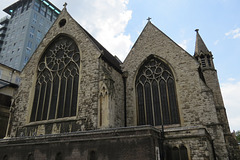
<point>4,23</point>
<point>21,34</point>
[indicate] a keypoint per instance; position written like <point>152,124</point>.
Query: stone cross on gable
<point>65,5</point>
<point>149,18</point>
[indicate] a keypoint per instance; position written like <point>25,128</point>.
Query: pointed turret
<point>205,58</point>
<point>200,47</point>
<point>202,54</point>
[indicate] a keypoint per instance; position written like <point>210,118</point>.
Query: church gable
<point>155,99</point>
<point>61,83</point>
<point>152,41</point>
<point>187,83</point>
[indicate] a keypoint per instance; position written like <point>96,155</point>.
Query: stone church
<point>77,101</point>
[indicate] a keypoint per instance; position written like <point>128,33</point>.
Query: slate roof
<point>106,56</point>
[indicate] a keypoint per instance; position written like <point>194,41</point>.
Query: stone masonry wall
<point>135,143</point>
<point>114,82</point>
<point>196,140</point>
<point>211,78</point>
<point>195,99</point>
<point>88,83</point>
<point>212,82</point>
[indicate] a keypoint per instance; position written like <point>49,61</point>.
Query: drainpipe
<point>162,141</point>
<point>9,126</point>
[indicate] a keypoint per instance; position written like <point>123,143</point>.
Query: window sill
<point>168,126</point>
<point>59,120</point>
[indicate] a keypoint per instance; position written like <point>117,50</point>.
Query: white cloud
<point>5,4</point>
<point>234,33</point>
<point>216,42</point>
<point>231,96</point>
<point>183,44</point>
<point>106,20</point>
<point>231,79</point>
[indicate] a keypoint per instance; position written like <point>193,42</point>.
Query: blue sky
<point>219,26</point>
<point>179,18</point>
<point>116,24</point>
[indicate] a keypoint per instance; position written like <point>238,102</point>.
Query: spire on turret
<point>202,54</point>
<point>200,45</point>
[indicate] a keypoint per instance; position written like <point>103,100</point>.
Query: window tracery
<point>156,96</point>
<point>56,87</point>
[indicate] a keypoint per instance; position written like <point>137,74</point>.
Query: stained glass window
<point>156,95</point>
<point>56,87</point>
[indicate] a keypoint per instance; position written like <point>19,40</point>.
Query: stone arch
<point>61,57</point>
<point>183,152</point>
<point>176,153</point>
<point>156,94</point>
<point>92,155</point>
<point>104,99</point>
<point>30,156</point>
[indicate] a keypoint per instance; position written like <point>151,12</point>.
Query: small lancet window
<point>203,61</point>
<point>176,153</point>
<point>56,88</point>
<point>30,156</point>
<point>209,61</point>
<point>183,153</point>
<point>168,153</point>
<point>92,155</point>
<point>156,94</point>
<point>103,108</point>
<point>58,156</point>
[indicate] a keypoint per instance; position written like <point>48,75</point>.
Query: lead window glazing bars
<point>156,94</point>
<point>57,82</point>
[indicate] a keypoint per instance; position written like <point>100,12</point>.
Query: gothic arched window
<point>58,156</point>
<point>183,153</point>
<point>56,87</point>
<point>203,62</point>
<point>92,155</point>
<point>30,156</point>
<point>156,95</point>
<point>176,154</point>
